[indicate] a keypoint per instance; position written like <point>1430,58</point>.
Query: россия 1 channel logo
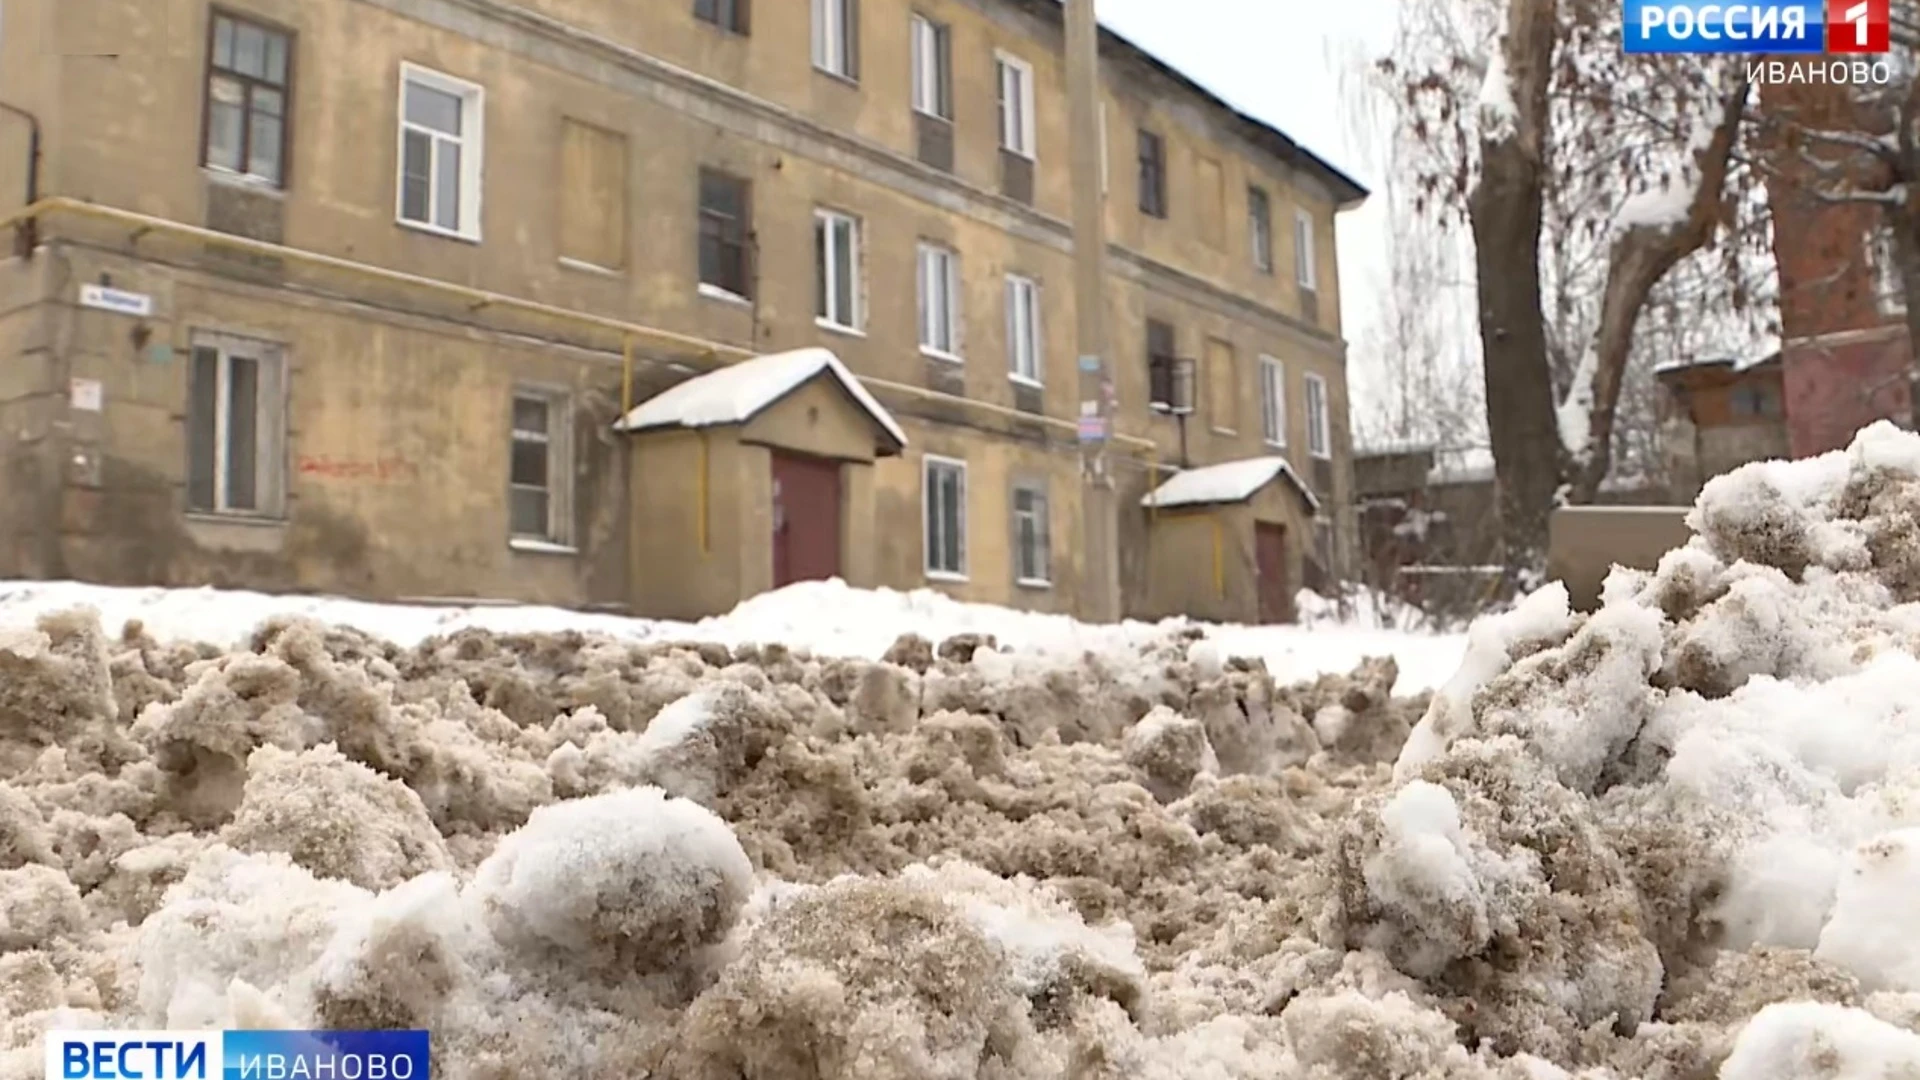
<point>1775,27</point>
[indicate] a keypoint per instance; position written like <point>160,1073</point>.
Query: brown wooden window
<point>1153,175</point>
<point>1032,529</point>
<point>1260,226</point>
<point>249,65</point>
<point>1160,365</point>
<point>725,228</point>
<point>725,14</point>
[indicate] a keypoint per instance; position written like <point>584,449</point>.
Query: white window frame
<point>1106,165</point>
<point>939,297</point>
<point>1273,402</point>
<point>1889,291</point>
<point>558,439</point>
<point>472,143</point>
<point>928,464</point>
<point>1042,530</point>
<point>1025,343</point>
<point>929,81</point>
<point>833,53</point>
<point>1305,268</point>
<point>855,309</point>
<point>1319,428</point>
<point>1005,62</point>
<point>270,424</point>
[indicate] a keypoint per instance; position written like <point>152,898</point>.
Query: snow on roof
<point>1461,465</point>
<point>1742,363</point>
<point>1227,482</point>
<point>739,392</point>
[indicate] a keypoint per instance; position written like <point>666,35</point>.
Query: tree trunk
<point>1505,208</point>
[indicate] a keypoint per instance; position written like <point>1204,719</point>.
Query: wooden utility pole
<point>1100,544</point>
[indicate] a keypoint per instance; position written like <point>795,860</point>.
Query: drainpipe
<point>29,227</point>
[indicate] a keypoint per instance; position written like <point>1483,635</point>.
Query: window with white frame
<point>944,492</point>
<point>939,301</point>
<point>441,125</point>
<point>1303,262</point>
<point>538,479</point>
<point>932,75</point>
<point>1032,542</point>
<point>1889,286</point>
<point>1106,173</point>
<point>1319,433</point>
<point>1016,105</point>
<point>236,427</point>
<point>1023,329</point>
<point>836,37</point>
<point>836,239</point>
<point>1273,402</point>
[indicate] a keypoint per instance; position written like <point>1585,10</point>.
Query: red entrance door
<point>1270,563</point>
<point>806,519</point>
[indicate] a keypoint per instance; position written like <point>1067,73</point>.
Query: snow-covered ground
<point>1677,839</point>
<point>829,618</point>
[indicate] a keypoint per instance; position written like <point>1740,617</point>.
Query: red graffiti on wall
<point>380,469</point>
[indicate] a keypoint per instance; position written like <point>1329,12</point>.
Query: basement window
<point>539,483</point>
<point>236,427</point>
<point>1032,527</point>
<point>944,492</point>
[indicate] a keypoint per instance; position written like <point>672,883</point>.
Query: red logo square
<point>1859,26</point>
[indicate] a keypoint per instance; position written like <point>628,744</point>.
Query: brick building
<point>1845,354</point>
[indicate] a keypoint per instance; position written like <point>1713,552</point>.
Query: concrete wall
<point>677,94</point>
<point>395,460</point>
<point>1585,543</point>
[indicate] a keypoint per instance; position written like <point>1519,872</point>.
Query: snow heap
<point>1676,838</point>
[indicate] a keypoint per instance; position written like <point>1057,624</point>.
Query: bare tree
<point>1624,165</point>
<point>1415,383</point>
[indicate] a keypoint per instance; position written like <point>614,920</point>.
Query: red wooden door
<point>1270,563</point>
<point>806,519</point>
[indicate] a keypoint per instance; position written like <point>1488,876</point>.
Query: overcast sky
<point>1291,63</point>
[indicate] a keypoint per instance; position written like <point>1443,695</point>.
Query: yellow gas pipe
<point>626,375</point>
<point>705,492</point>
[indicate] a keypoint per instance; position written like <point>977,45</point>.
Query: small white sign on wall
<point>118,300</point>
<point>86,394</point>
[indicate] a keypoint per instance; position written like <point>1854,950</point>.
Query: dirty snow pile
<point>1674,840</point>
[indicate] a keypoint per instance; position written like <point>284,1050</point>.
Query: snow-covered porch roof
<point>1227,482</point>
<point>737,393</point>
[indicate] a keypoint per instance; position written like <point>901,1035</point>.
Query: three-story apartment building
<point>349,295</point>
